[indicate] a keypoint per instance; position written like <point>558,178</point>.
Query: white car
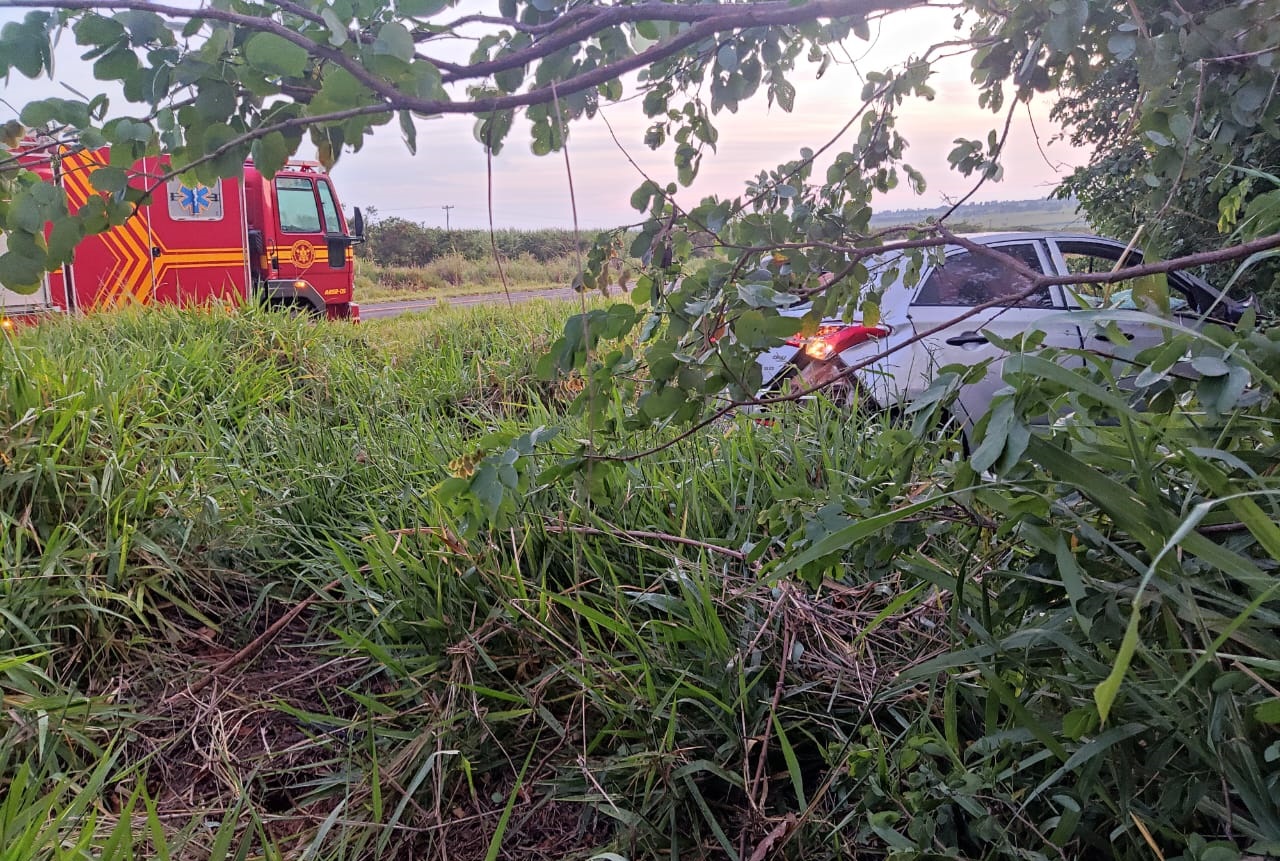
<point>966,280</point>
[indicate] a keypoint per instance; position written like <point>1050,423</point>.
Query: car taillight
<point>831,340</point>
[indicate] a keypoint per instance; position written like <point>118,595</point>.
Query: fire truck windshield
<point>297,205</point>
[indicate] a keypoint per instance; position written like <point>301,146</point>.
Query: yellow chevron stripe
<point>132,235</point>
<point>126,244</point>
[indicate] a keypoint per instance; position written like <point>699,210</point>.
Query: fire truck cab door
<point>313,243</point>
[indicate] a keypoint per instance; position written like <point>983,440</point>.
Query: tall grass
<point>237,620</point>
<point>455,275</point>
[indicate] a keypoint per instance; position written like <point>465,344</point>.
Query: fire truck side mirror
<point>337,246</point>
<point>357,226</point>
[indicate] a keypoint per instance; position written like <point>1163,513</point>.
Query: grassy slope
<point>235,616</point>
<point>176,485</point>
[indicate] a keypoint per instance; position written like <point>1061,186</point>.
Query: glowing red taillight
<point>832,340</point>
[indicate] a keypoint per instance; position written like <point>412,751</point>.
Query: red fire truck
<point>282,241</point>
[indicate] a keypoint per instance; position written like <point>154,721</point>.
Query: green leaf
<point>1066,23</point>
<point>337,29</point>
<point>764,296</point>
<point>429,83</point>
<point>20,274</point>
<point>1086,752</point>
<point>1072,580</point>
<point>1118,500</point>
<point>994,435</point>
<point>63,238</point>
<point>1109,688</point>
<point>60,110</point>
<point>420,8</point>
<point>1122,45</point>
<point>394,40</point>
<point>110,179</point>
<point>1210,366</point>
<point>270,153</point>
<point>145,28</point>
<point>115,65</point>
<point>870,313</point>
<point>230,162</point>
<point>339,91</point>
<point>409,131</point>
<point>94,29</point>
<point>215,101</point>
<point>1041,368</point>
<point>727,57</point>
<point>1267,711</point>
<point>275,55</point>
<point>35,205</point>
<point>661,404</point>
<point>641,197</point>
<point>1080,722</point>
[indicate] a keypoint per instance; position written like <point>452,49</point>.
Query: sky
<point>530,192</point>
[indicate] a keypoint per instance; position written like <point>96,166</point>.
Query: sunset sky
<point>530,192</point>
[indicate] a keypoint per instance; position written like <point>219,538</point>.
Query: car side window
<point>972,279</point>
<point>1129,294</point>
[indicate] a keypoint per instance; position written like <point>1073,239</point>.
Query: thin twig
<point>493,238</point>
<point>259,643</point>
<point>644,535</point>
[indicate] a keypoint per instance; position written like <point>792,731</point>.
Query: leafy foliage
<point>1174,135</point>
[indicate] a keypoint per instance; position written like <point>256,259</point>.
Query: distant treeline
<point>978,212</point>
<point>399,242</point>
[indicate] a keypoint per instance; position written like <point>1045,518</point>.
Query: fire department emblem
<point>304,254</point>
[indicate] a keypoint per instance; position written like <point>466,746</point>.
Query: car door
<point>968,279</point>
<point>1079,255</point>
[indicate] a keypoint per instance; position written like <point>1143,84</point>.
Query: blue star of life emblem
<point>194,203</point>
<point>195,200</point>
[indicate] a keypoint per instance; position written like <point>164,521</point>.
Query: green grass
<point>239,618</point>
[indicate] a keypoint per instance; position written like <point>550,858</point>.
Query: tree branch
<point>584,22</point>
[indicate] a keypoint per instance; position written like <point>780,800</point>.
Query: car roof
<point>993,237</point>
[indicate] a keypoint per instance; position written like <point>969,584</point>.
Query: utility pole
<point>446,209</point>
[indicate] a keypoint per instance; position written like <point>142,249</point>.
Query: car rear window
<point>970,279</point>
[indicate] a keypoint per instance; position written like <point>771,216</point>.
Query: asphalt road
<point>392,309</point>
